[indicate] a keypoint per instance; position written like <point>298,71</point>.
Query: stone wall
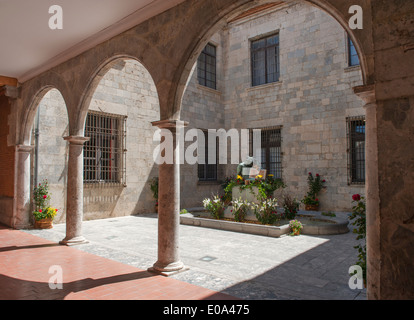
<point>7,155</point>
<point>126,89</point>
<point>203,108</point>
<point>52,149</point>
<point>311,101</point>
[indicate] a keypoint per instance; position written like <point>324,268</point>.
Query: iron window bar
<point>271,150</point>
<point>105,152</point>
<point>356,149</point>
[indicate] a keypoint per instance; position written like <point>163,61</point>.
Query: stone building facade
<point>309,103</point>
<point>126,94</point>
<point>168,44</point>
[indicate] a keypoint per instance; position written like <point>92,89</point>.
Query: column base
<point>168,270</point>
<point>74,241</point>
<point>22,226</point>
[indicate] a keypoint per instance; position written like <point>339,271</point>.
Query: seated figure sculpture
<point>244,169</point>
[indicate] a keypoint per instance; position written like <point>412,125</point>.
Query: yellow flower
<point>259,176</point>
<point>270,175</point>
<point>239,177</point>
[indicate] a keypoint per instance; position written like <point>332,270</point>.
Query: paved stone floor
<point>29,264</point>
<point>241,265</point>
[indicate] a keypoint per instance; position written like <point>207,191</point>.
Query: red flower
<point>40,210</point>
<point>317,174</point>
<point>310,173</point>
<point>45,196</point>
<point>356,197</point>
<point>323,180</point>
<point>316,199</point>
<point>56,210</point>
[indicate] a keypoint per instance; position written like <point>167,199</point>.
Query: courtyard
<point>327,95</point>
<point>243,266</point>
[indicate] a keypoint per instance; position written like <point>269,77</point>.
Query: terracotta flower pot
<point>46,223</point>
<point>311,207</point>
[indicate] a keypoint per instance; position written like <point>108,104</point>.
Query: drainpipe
<point>36,156</point>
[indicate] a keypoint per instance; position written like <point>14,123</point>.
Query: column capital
<point>366,93</point>
<point>170,124</point>
<point>11,92</point>
<point>76,140</point>
<point>22,148</point>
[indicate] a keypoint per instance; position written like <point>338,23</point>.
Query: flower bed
<point>313,224</point>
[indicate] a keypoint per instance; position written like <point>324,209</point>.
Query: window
<point>271,150</point>
<point>207,171</point>
<point>206,67</point>
<point>353,59</point>
<point>104,153</point>
<point>356,150</point>
<point>265,60</point>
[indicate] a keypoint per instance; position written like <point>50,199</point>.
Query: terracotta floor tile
<point>24,274</point>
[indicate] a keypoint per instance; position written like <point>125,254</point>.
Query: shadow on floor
<point>18,289</point>
<point>320,273</point>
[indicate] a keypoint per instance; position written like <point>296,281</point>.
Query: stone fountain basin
<point>314,223</point>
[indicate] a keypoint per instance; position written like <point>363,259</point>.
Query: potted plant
<point>290,206</point>
<point>296,227</point>
<point>43,213</point>
<point>154,189</point>
<point>315,185</point>
<point>311,203</point>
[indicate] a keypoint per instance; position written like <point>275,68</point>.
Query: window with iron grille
<point>265,60</point>
<point>271,150</point>
<point>104,153</point>
<point>353,59</point>
<point>206,67</point>
<point>207,171</point>
<point>356,150</point>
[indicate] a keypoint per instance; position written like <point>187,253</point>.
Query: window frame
<point>356,172</point>
<point>107,132</point>
<point>202,72</point>
<point>265,49</point>
<point>351,56</point>
<point>278,174</point>
<point>205,166</point>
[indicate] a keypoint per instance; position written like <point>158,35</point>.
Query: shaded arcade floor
<point>25,262</point>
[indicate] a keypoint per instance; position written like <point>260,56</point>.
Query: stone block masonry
<point>311,100</point>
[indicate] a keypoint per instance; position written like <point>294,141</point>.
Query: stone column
<point>169,205</point>
<point>21,215</point>
<point>367,93</point>
<point>74,206</point>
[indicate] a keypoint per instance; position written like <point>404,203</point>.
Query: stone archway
<point>24,150</point>
<point>365,54</point>
<point>169,43</point>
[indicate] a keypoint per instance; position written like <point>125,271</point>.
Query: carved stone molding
<point>366,93</point>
